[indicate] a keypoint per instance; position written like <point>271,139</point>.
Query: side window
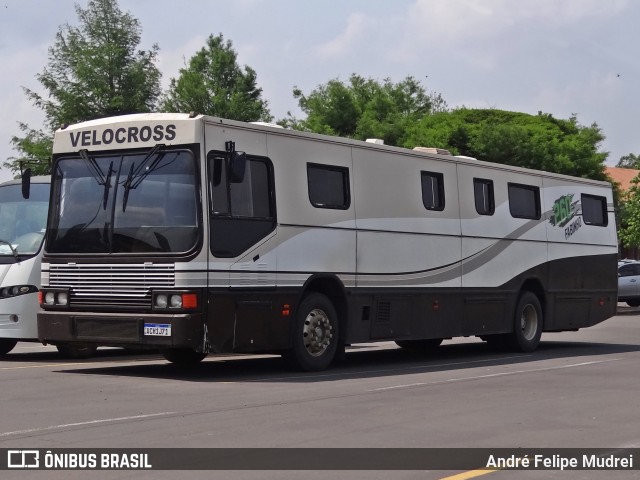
<point>483,194</point>
<point>249,198</point>
<point>594,210</point>
<point>524,201</point>
<point>432,190</point>
<point>328,186</point>
<point>242,213</point>
<point>627,271</point>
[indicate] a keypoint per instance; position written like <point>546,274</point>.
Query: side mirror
<point>237,167</point>
<point>26,183</point>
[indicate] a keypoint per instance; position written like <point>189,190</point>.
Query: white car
<point>629,283</point>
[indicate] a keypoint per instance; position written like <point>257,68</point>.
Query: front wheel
<point>527,328</point>
<point>6,345</point>
<point>315,334</point>
<point>183,356</point>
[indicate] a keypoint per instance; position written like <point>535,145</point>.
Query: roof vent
<point>377,141</point>
<point>465,157</point>
<point>439,151</point>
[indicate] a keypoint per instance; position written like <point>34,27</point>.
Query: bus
<point>24,205</point>
<point>194,235</point>
<point>23,219</point>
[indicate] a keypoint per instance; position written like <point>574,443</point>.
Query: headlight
<point>161,301</point>
<point>176,301</point>
<point>49,298</point>
<point>63,298</point>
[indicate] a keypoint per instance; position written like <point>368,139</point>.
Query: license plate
<point>157,329</point>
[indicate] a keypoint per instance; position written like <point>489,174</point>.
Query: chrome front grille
<point>120,285</point>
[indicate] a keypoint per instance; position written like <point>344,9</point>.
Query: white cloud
<point>357,26</point>
<point>455,21</point>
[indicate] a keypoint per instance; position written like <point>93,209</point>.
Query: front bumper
<point>121,329</point>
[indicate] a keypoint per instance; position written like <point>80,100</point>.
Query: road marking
<point>80,424</point>
<point>491,375</point>
<point>471,474</point>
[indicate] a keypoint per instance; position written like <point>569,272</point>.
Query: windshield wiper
<point>13,250</point>
<point>98,175</point>
<point>136,176</point>
<point>93,167</point>
<point>107,186</point>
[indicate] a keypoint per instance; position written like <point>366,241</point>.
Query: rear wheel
<point>633,303</point>
<point>527,328</point>
<point>76,350</point>
<point>6,345</point>
<point>183,356</point>
<point>315,334</point>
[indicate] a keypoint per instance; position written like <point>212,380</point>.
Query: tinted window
<point>242,213</point>
<point>483,194</point>
<point>524,201</point>
<point>432,190</point>
<point>328,186</point>
<point>594,210</point>
<point>131,202</point>
<point>629,270</point>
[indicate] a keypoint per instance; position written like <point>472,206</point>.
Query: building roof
<point>623,176</point>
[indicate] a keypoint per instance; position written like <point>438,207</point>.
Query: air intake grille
<point>111,285</point>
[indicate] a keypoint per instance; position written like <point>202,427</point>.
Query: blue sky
<point>561,57</point>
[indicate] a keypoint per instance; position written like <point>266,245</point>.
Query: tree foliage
<point>213,83</point>
<point>629,161</point>
<point>365,108</point>
<point>540,141</point>
<point>628,212</point>
<point>94,70</point>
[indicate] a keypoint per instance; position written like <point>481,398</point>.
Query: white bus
<point>23,219</point>
<point>192,234</point>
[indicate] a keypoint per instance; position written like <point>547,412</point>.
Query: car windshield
<point>22,221</point>
<point>142,202</point>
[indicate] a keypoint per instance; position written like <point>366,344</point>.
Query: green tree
<point>540,141</point>
<point>94,70</point>
<point>213,83</point>
<point>628,213</point>
<point>365,108</point>
<point>629,161</point>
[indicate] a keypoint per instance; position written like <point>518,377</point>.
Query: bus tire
<point>6,345</point>
<point>419,346</point>
<point>76,350</point>
<point>315,334</point>
<point>183,356</point>
<point>527,326</point>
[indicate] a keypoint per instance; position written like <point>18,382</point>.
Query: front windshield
<point>22,221</point>
<point>126,203</point>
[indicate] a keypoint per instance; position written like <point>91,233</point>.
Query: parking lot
<point>580,389</point>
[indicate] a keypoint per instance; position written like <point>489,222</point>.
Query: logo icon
<point>23,459</point>
<point>564,209</point>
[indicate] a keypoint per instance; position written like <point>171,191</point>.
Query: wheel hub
<point>317,332</point>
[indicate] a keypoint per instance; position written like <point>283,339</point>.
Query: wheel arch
<point>331,286</point>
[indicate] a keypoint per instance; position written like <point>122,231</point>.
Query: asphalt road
<point>580,389</point>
